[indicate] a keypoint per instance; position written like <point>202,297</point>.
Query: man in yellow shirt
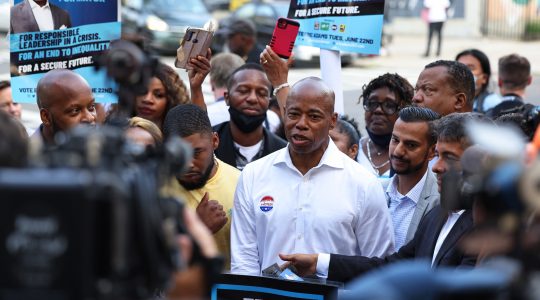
<point>209,184</point>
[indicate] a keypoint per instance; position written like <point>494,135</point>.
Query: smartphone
<point>196,42</point>
<point>283,38</point>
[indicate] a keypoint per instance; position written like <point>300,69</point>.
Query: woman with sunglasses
<point>382,98</point>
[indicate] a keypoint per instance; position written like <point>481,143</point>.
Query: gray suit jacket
<point>428,199</point>
<point>22,18</point>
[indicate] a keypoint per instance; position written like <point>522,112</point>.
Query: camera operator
<point>65,100</point>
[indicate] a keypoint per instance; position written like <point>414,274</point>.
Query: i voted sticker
<point>267,203</point>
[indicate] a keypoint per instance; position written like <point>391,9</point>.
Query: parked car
<point>163,23</point>
<point>264,15</point>
<point>4,16</point>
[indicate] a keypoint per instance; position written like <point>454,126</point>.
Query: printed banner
<point>351,26</point>
<point>74,32</point>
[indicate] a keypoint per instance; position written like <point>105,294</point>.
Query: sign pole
<point>331,75</point>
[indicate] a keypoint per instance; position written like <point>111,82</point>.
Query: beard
<point>411,168</point>
<point>193,185</point>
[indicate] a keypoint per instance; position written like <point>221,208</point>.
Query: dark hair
<point>421,114</point>
<point>514,71</point>
<point>484,63</point>
<point>241,26</point>
<point>349,127</point>
<point>460,78</point>
<point>517,121</point>
<point>247,66</point>
<point>4,84</point>
<point>451,128</point>
<point>185,120</point>
<point>175,89</point>
<point>395,83</point>
<point>13,142</point>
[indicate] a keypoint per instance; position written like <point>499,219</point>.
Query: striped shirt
<point>402,207</point>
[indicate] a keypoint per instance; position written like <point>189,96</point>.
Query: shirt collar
<point>330,158</point>
<point>34,5</point>
<point>413,194</point>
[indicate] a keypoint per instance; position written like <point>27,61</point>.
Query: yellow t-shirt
<point>221,188</point>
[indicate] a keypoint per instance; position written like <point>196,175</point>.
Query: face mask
<point>245,123</point>
<point>380,140</point>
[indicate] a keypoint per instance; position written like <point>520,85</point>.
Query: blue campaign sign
<point>70,37</point>
<point>344,25</point>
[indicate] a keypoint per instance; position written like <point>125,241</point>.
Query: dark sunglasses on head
<point>388,107</point>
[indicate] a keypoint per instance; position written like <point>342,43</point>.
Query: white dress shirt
<point>43,16</point>
<point>336,207</point>
<point>402,207</point>
<point>450,222</point>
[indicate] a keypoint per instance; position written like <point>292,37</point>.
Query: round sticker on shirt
<point>267,203</point>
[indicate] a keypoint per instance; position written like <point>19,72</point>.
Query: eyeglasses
<point>388,107</point>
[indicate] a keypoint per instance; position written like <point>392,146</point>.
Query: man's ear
<point>353,151</point>
<point>333,121</point>
<point>499,82</point>
<point>461,102</point>
<point>226,97</point>
<point>529,81</point>
<point>215,140</point>
<point>431,152</point>
<point>45,117</point>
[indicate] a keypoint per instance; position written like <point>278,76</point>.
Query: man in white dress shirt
<point>308,197</point>
<point>38,15</point>
<point>438,233</point>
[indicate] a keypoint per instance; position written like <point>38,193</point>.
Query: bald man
<point>65,100</point>
<point>308,196</point>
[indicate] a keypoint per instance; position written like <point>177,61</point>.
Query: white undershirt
<point>250,151</point>
<point>450,222</point>
<point>43,16</point>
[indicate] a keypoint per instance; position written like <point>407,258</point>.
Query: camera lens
<point>282,23</point>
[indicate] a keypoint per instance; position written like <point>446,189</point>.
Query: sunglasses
<point>388,107</point>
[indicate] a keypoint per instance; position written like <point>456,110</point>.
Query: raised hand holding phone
<point>195,43</point>
<point>283,38</point>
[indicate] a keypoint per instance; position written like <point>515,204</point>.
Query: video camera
<point>85,220</point>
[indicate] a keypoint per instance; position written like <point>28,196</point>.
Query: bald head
<point>58,85</point>
<point>65,100</point>
<point>309,116</point>
<point>312,88</point>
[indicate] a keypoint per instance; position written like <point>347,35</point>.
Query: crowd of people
<point>299,185</point>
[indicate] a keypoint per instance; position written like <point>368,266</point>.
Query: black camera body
<point>86,220</point>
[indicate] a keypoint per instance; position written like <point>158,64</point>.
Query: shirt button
<point>300,237</point>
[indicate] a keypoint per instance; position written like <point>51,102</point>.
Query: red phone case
<point>284,35</point>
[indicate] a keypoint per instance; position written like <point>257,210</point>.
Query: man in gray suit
<point>38,15</point>
<point>412,192</point>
